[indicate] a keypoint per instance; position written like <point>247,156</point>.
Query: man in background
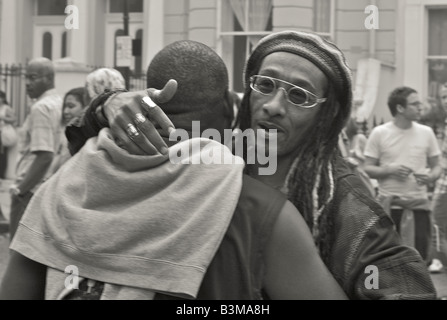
<point>41,137</point>
<point>403,156</point>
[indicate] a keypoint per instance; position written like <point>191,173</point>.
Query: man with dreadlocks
<point>226,247</point>
<point>299,84</point>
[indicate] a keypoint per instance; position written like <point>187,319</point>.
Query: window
<point>64,45</point>
<point>118,33</point>
<point>47,45</point>
<point>51,7</point>
<point>137,50</point>
<point>323,17</point>
<point>437,61</point>
<point>244,23</point>
<point>117,6</point>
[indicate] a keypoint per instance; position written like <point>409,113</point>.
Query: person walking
<point>403,156</point>
<point>7,118</point>
<point>41,139</point>
<point>440,201</point>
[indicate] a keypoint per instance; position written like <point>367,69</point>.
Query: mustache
<point>267,124</point>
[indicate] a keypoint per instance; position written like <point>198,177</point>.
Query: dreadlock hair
<point>310,181</point>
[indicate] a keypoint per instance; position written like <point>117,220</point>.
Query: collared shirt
<point>40,132</point>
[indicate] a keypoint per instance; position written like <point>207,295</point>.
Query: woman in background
<point>72,108</point>
<point>355,145</point>
<point>6,117</point>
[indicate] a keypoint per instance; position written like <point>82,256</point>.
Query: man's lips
<point>266,125</point>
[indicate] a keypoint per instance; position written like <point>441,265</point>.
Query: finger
<point>118,132</point>
<point>149,140</point>
<point>156,114</point>
<point>165,94</point>
<point>124,142</point>
<point>126,139</point>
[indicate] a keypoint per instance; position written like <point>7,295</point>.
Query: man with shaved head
<point>40,137</point>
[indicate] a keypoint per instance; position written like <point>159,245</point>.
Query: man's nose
<point>276,105</point>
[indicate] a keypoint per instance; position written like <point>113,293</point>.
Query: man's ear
<point>400,108</point>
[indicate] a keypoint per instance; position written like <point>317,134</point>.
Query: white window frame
<point>331,33</point>
<point>429,58</point>
<point>220,34</point>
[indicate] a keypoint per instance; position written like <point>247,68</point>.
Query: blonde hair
<point>102,79</point>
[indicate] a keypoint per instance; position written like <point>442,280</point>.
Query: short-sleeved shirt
<point>409,147</point>
<point>40,132</point>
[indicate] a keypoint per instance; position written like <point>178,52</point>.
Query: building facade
<point>387,43</point>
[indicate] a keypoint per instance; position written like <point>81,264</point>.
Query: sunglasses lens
<point>298,96</point>
<point>264,85</point>
<point>295,94</point>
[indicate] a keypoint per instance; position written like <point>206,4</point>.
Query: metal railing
<point>12,82</point>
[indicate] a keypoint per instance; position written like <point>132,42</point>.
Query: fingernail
<point>164,150</point>
<point>171,130</point>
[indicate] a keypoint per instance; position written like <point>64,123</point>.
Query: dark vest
<point>236,271</point>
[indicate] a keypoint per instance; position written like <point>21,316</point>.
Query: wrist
<point>104,109</point>
<point>95,116</point>
<point>15,190</point>
<point>432,177</point>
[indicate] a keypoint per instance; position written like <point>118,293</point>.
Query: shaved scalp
<point>201,75</point>
<point>42,65</point>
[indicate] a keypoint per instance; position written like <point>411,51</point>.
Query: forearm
<point>24,279</point>
<point>37,171</point>
<point>376,172</point>
<point>10,119</point>
<point>435,173</point>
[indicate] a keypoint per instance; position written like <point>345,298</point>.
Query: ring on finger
<point>148,102</point>
<point>132,132</point>
<point>140,118</point>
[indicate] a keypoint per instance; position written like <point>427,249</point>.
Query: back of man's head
<point>202,79</point>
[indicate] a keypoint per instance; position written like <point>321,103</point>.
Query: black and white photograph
<point>322,123</point>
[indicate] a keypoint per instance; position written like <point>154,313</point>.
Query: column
<point>153,33</point>
<point>9,32</point>
<point>78,39</point>
<point>413,48</point>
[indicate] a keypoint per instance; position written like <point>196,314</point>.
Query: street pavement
<point>439,279</point>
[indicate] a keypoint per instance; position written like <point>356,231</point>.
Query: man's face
<point>443,97</point>
<point>276,111</point>
<point>413,109</point>
<point>37,81</point>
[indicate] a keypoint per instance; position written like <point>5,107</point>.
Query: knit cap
<point>322,53</point>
